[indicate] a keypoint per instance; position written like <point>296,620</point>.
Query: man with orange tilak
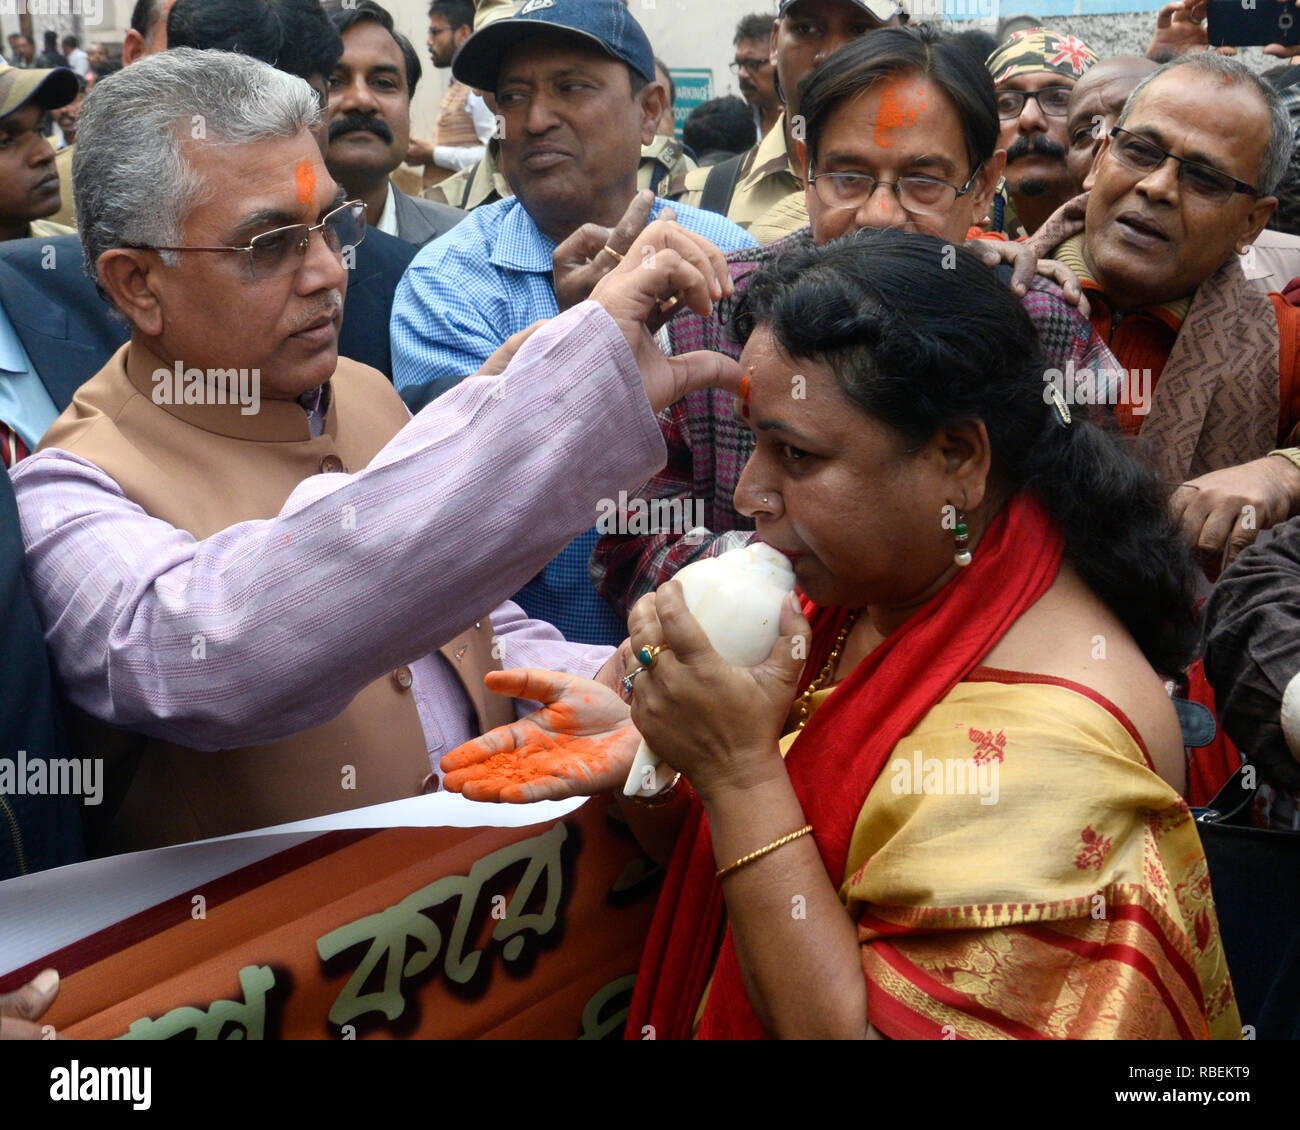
<point>763,189</point>
<point>902,133</point>
<point>276,577</point>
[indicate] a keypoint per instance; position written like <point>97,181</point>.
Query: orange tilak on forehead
<point>745,393</point>
<point>897,109</point>
<point>306,182</point>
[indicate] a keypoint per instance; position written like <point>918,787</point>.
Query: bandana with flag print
<point>1040,49</point>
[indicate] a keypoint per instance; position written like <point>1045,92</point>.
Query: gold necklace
<point>803,705</point>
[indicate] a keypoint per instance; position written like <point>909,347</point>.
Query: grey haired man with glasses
<point>248,559</point>
<point>1179,191</point>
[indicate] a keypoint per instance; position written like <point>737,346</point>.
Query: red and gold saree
<point>1075,903</point>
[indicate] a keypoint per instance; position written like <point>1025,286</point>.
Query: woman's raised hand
<point>581,743</point>
<point>718,724</point>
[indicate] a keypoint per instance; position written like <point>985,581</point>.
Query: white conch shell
<point>1291,716</point>
<point>737,598</point>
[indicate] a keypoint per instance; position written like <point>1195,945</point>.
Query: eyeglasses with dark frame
<point>1144,156</point>
<point>1054,101</point>
<point>281,251</point>
<point>751,66</point>
<point>920,195</point>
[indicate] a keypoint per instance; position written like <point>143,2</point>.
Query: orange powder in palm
<point>506,766</point>
<point>594,752</point>
<point>896,111</point>
<point>306,182</point>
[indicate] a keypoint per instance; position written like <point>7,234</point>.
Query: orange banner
<point>428,933</point>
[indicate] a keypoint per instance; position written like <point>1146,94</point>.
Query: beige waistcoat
<point>203,468</point>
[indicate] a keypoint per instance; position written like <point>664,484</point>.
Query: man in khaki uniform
<point>767,197</point>
<point>29,169</point>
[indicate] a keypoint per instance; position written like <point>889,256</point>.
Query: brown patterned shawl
<point>1216,404</point>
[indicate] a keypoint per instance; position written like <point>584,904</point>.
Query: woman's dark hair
<point>920,335</point>
<point>893,51</point>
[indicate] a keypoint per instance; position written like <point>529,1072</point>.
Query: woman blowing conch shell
<point>947,803</point>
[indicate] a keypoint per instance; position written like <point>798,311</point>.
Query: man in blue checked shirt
<point>575,88</point>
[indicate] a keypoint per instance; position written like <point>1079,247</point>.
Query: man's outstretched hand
<point>581,743</point>
<point>1025,263</point>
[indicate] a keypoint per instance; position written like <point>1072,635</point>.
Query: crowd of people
<point>993,342</point>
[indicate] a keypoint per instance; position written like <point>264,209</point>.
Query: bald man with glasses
<point>1180,189</point>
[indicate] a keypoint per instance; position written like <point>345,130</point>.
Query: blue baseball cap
<point>605,23</point>
<point>883,10</point>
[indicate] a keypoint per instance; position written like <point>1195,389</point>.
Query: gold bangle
<point>753,855</point>
<point>666,795</point>
<point>1291,454</point>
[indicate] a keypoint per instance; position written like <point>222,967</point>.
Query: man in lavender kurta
<point>240,542</point>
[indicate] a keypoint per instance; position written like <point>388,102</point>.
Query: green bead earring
<point>961,536</point>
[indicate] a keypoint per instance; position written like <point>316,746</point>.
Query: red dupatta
<point>835,762</point>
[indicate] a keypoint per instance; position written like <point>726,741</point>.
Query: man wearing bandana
<point>1034,72</point>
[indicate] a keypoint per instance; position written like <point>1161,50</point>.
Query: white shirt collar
<point>388,219</point>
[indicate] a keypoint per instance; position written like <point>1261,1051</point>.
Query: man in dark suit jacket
<point>420,220</point>
<point>37,830</point>
<point>69,332</point>
<point>370,92</point>
<point>380,263</point>
<point>63,324</point>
